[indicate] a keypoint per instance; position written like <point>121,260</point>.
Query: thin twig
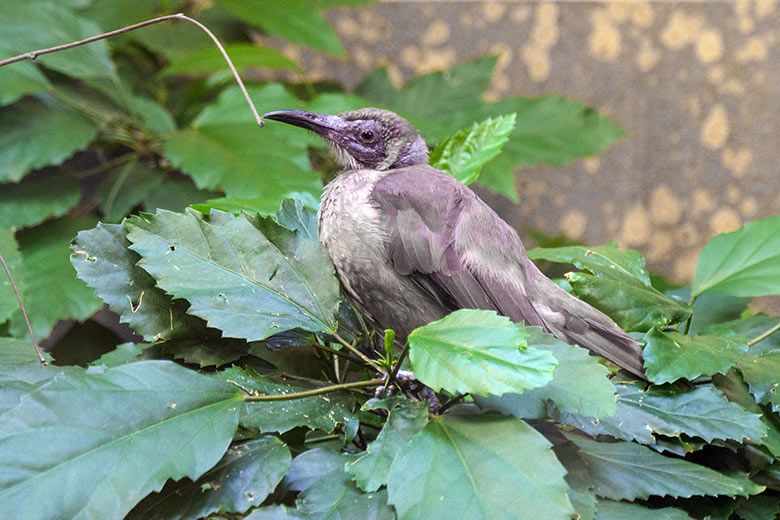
<point>24,311</point>
<point>455,400</point>
<point>32,55</point>
<point>762,337</point>
<point>367,360</point>
<point>690,316</point>
<point>316,391</point>
<point>397,366</point>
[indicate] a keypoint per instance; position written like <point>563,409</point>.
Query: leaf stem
<point>316,391</point>
<point>32,55</point>
<point>762,337</point>
<point>367,360</point>
<point>450,403</point>
<point>690,316</point>
<point>24,311</point>
<point>397,366</point>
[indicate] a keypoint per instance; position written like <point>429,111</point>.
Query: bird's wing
<point>439,234</point>
<point>463,255</point>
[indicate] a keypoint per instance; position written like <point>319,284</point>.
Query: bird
<point>411,244</point>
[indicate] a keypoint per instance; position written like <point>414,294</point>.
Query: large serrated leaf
<point>32,25</point>
<point>478,352</point>
<point>327,493</point>
<point>325,412</point>
<point>225,149</point>
<point>243,56</point>
<point>609,510</point>
<point>13,259</point>
<point>745,262</point>
<point>671,355</point>
<point>20,79</point>
<point>579,384</point>
<point>606,261</point>
<point>749,328</point>
<point>41,195</point>
<point>248,283</point>
<point>702,412</point>
<point>102,259</point>
<point>52,291</point>
<point>297,21</point>
<point>616,282</point>
<point>404,420</point>
<point>34,134</point>
<point>245,476</point>
<point>120,434</point>
<point>628,471</point>
<point>495,467</point>
<point>762,374</point>
<point>464,154</point>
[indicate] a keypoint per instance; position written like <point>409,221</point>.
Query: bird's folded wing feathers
<point>428,217</point>
<point>463,255</point>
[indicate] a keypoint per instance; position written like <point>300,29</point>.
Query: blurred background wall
<point>696,85</point>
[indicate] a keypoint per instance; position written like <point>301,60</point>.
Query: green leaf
<point>243,55</point>
<point>207,351</point>
<point>32,25</point>
<point>121,434</point>
<point>297,21</point>
<point>628,471</point>
<point>702,412</point>
<point>762,507</point>
<point>39,196</point>
<point>633,306</point>
<point>605,261</point>
<point>236,205</point>
<point>20,79</point>
<point>762,374</point>
<point>609,510</point>
<point>749,328</point>
<point>743,263</point>
<point>19,352</point>
<point>579,384</point>
<point>102,259</point>
<point>249,283</point>
<point>427,100</point>
<point>35,134</point>
<point>121,355</point>
<point>550,129</point>
<point>52,291</point>
<point>245,476</point>
<point>326,492</point>
<point>404,420</point>
<point>671,355</point>
<point>13,259</point>
<point>478,352</point>
<point>225,149</point>
<point>495,467</point>
<point>616,282</point>
<point>126,187</point>
<point>324,412</point>
<point>464,154</point>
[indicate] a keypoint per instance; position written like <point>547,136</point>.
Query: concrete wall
<point>697,85</point>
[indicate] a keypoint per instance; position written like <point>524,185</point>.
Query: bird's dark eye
<point>366,136</point>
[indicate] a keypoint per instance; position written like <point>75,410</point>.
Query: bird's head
<point>366,138</point>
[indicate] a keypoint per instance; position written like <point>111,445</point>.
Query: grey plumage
<point>411,244</point>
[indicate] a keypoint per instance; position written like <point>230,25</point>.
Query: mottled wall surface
<point>697,85</point>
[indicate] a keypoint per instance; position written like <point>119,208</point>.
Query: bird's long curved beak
<point>322,124</point>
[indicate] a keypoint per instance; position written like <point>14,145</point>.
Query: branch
<point>24,311</point>
<point>316,391</point>
<point>367,360</point>
<point>32,55</point>
<point>762,337</point>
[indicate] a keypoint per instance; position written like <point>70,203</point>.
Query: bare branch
<point>178,16</point>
